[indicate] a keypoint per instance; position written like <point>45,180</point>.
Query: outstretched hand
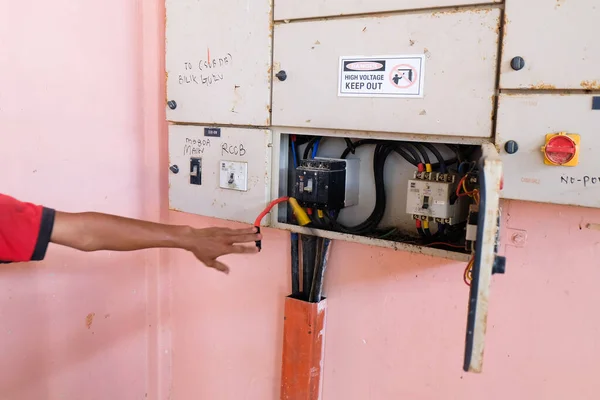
<point>211,243</point>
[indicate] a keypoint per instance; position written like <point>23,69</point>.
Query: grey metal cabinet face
<point>295,9</point>
<point>557,42</point>
<point>460,53</point>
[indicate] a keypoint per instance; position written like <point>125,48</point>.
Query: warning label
<point>388,76</point>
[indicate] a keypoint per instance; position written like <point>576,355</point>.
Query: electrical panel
<point>537,166</point>
<point>219,172</point>
<point>565,56</point>
<point>300,9</point>
<point>218,62</point>
<point>388,192</point>
<point>395,73</point>
<point>382,124</point>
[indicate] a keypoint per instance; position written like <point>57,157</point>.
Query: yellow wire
<point>464,185</point>
<point>470,270</point>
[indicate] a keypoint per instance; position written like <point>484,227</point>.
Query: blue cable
<point>315,148</point>
<point>294,155</point>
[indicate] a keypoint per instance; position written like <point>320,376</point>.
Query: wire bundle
<point>414,153</point>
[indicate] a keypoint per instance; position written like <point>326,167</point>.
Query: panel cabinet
<point>556,42</point>
<point>220,172</point>
<point>218,61</point>
<point>458,50</point>
<point>295,9</point>
<point>523,123</point>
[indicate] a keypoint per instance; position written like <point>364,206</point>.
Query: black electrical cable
<point>382,151</point>
<point>350,145</point>
<point>423,152</point>
<point>317,267</point>
<point>295,264</point>
<point>414,160</point>
<point>407,147</point>
<point>309,147</point>
<point>317,288</point>
<point>455,149</point>
<point>437,155</point>
<point>308,263</point>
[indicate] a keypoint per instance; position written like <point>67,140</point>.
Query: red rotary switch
<point>561,149</point>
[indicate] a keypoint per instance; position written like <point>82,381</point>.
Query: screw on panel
<point>517,63</point>
<point>281,75</point>
<point>511,147</point>
<point>518,238</point>
<point>172,104</point>
<point>174,169</point>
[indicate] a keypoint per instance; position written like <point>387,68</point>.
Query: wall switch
<point>233,175</point>
<point>195,171</point>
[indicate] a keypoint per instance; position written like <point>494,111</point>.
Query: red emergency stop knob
<point>560,149</point>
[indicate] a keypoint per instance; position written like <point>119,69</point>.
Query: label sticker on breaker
<point>387,76</point>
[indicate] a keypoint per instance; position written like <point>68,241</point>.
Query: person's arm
<point>95,231</point>
<point>26,229</point>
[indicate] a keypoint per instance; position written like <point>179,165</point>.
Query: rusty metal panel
<point>485,258</point>
<point>218,59</point>
<point>295,9</point>
<point>526,119</point>
<point>459,49</point>
<point>556,41</point>
<point>214,150</point>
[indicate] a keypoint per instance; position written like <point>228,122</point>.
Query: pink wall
<point>81,111</point>
<point>72,136</point>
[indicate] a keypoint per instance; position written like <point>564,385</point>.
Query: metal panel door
<point>523,123</point>
<point>220,172</point>
<point>459,51</point>
<point>557,42</point>
<point>294,9</point>
<point>486,260</point>
<point>218,61</point>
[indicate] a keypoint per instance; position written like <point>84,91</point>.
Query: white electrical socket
<point>233,175</point>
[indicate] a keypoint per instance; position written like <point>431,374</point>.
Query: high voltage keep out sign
<point>386,76</point>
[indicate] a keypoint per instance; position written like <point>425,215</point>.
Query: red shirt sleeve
<point>25,230</point>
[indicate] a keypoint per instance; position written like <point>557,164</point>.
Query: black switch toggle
<point>499,266</point>
<point>195,171</point>
<point>425,202</point>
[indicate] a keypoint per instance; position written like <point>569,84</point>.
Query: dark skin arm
<point>95,231</point>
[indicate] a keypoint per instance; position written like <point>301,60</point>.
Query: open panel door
<point>486,260</point>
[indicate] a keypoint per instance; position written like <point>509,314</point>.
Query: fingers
<point>219,266</point>
<point>247,238</point>
<point>243,231</point>
<point>243,249</point>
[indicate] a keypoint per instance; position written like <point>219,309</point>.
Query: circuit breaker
<point>327,183</point>
<point>432,197</point>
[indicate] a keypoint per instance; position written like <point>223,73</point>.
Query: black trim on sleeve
<point>44,236</point>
